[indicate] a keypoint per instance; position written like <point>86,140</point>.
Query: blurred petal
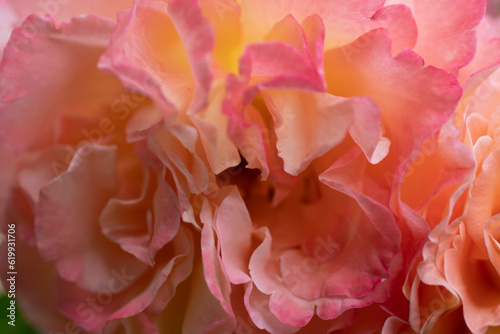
<point>66,56</point>
<point>63,10</point>
<point>67,220</point>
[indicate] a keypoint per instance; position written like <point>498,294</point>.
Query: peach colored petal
<point>31,57</point>
<point>378,221</point>
<point>491,229</point>
<point>307,125</point>
<point>415,108</point>
<point>171,67</point>
<point>431,305</point>
<point>225,18</point>
<point>484,202</point>
<point>334,287</point>
<point>141,122</point>
<point>443,161</point>
<point>476,281</point>
<point>234,232</point>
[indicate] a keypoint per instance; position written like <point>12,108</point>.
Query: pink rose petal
<point>32,56</point>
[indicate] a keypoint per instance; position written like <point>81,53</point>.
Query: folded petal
<point>257,305</point>
<point>415,108</point>
<point>476,281</point>
<point>234,232</point>
<point>169,62</point>
<point>307,125</point>
<point>216,279</point>
<point>67,220</point>
<point>212,126</point>
<point>129,292</point>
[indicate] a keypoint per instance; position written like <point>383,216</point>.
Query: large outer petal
<point>307,125</point>
<point>64,59</point>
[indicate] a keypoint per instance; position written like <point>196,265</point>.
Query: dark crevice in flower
<point>311,192</point>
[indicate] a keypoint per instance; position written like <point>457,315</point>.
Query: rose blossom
<point>264,176</point>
